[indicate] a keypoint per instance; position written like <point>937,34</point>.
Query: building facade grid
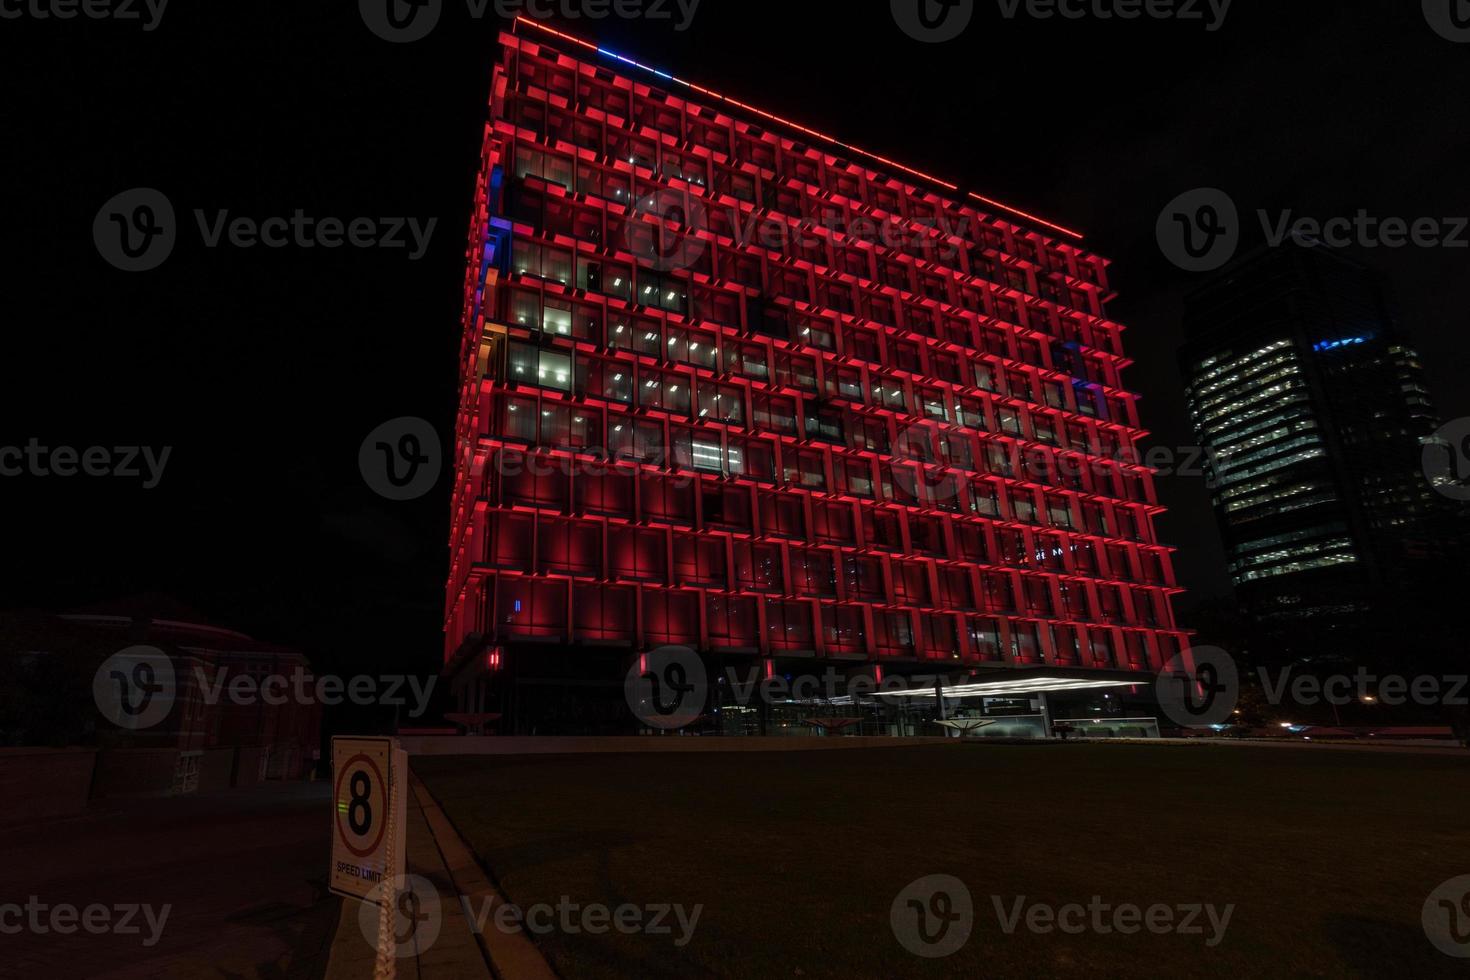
<point>729,390</point>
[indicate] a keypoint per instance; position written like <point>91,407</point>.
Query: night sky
<point>265,369</point>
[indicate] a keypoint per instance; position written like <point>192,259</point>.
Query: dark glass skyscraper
<point>1312,404</point>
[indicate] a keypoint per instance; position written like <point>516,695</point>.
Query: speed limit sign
<point>369,814</point>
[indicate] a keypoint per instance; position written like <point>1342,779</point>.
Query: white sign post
<point>369,817</point>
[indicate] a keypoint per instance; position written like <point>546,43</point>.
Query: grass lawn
<point>1327,856</point>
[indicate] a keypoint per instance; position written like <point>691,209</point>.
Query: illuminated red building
<point>732,384</point>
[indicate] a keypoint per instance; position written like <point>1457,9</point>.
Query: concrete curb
<point>456,953</point>
<point>510,955</point>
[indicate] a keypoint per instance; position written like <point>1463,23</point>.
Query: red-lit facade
<point>794,402</point>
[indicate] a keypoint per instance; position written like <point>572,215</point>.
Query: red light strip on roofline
<point>794,125</point>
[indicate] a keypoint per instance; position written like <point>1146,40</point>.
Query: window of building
<point>782,514</point>
<point>832,521</point>
<point>641,440</point>
<point>814,572</point>
<point>757,566</point>
<point>637,553</point>
<point>862,578</point>
<point>773,413</point>
<point>666,498</point>
<point>569,547</point>
<point>698,560</point>
<point>789,625</point>
<point>733,622</point>
<point>721,403</point>
<point>725,506</point>
<point>528,364</point>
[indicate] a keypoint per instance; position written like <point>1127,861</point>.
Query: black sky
<point>265,369</point>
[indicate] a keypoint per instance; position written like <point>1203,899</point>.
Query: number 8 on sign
<point>368,777</point>
<point>366,795</point>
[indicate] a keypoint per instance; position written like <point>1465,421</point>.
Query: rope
<point>387,965</point>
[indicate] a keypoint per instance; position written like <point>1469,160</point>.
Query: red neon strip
<point>548,30</point>
<point>807,130</point>
<point>1027,216</point>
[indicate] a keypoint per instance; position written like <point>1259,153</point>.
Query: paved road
<point>241,871</point>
